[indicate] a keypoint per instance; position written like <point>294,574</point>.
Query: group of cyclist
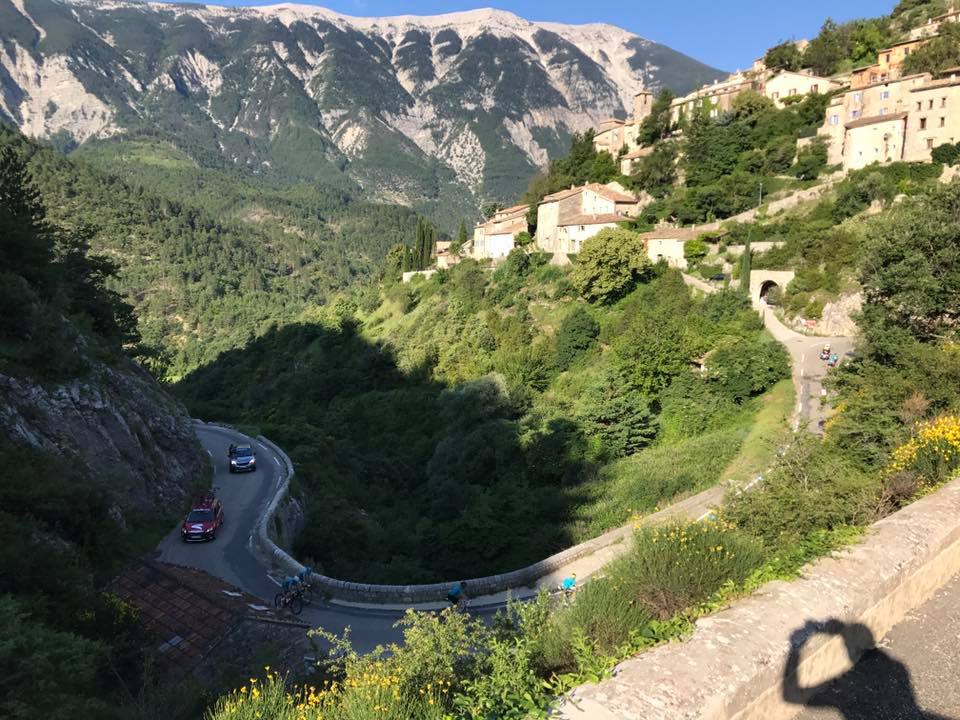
<point>457,596</point>
<point>294,588</point>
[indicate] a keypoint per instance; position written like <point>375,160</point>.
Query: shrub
<point>745,370</point>
<point>674,567</point>
<point>695,250</point>
<point>932,454</point>
<point>577,333</point>
<point>814,487</point>
<point>947,154</point>
<point>609,265</point>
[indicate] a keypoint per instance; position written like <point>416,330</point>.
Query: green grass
<point>651,479</point>
<point>770,430</point>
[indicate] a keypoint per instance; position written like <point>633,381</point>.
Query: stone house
<point>932,26</point>
<point>889,65</point>
<point>613,134</point>
<point>667,243</point>
<point>494,238</point>
<point>720,94</point>
<point>796,84</point>
<point>566,218</point>
<point>901,119</point>
<point>629,160</point>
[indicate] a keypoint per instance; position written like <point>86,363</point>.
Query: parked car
<point>242,458</point>
<point>203,520</point>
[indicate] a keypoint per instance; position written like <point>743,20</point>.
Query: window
<point>793,91</point>
<point>883,111</point>
<point>814,88</point>
<point>943,102</point>
<point>856,97</point>
<point>930,104</point>
<point>885,95</point>
<point>943,122</point>
<point>886,58</point>
<point>929,143</point>
<point>776,95</point>
<point>854,114</point>
<point>919,105</point>
<point>834,119</point>
<point>923,123</point>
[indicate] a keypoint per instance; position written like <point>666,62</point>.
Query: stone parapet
<point>753,660</point>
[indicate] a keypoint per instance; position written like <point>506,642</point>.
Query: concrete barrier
<point>740,662</point>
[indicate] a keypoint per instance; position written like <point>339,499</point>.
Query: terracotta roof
<point>186,612</point>
<point>675,233</point>
<point>591,220</point>
<point>512,213</point>
<point>875,119</point>
<point>599,189</point>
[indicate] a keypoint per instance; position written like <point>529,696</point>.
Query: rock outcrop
<point>118,422</point>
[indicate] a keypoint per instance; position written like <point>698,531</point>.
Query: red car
<point>204,519</point>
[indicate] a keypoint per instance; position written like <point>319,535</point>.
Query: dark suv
<point>204,519</point>
<point>242,458</point>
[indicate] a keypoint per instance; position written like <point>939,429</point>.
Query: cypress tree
<point>745,267</point>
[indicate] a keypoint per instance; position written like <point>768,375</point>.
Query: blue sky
<point>727,34</point>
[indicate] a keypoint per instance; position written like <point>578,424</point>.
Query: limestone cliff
<point>118,422</point>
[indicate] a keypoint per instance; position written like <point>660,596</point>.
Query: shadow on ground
<point>877,687</point>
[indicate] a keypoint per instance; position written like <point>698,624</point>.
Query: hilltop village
<point>876,113</point>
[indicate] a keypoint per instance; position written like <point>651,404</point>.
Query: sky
<point>727,34</point>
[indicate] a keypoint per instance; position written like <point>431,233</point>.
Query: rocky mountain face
<point>414,109</point>
<point>118,422</point>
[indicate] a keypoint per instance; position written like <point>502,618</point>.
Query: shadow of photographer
<point>877,686</point>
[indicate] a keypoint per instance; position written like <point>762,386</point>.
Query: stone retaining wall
<point>733,667</point>
<point>387,594</point>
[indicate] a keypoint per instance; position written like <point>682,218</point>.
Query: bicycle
<point>290,600</point>
<point>290,597</point>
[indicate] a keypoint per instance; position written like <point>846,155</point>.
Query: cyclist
<point>569,584</point>
<point>458,594</point>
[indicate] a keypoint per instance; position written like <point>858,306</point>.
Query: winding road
<point>230,557</point>
<point>245,497</point>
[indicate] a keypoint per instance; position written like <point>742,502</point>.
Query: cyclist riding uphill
<point>569,584</point>
<point>458,593</point>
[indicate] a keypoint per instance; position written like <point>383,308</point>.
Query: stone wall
<point>752,660</point>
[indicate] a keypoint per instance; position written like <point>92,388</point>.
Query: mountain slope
<point>415,109</point>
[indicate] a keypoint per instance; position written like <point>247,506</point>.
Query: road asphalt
<point>229,557</point>
<point>914,674</point>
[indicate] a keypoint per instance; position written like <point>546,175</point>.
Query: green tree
<point>522,239</point>
<point>620,415</point>
<point>811,160</point>
<point>657,172</point>
<point>609,265</point>
<point>659,123</point>
<point>938,53</point>
<point>576,335</point>
<point>826,51</point>
<point>911,272</point>
<point>746,264</point>
<point>426,240</point>
<point>785,56</point>
<point>461,238</point>
<point>695,250</point>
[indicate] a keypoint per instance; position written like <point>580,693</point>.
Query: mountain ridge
<point>421,110</point>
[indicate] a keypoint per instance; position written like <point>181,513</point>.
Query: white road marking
<point>210,453</point>
<point>276,461</point>
<point>274,580</point>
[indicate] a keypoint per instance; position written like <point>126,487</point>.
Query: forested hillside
<point>77,419</point>
<point>208,259</point>
<point>472,424</point>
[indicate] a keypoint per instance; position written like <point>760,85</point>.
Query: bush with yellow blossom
<point>932,454</point>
